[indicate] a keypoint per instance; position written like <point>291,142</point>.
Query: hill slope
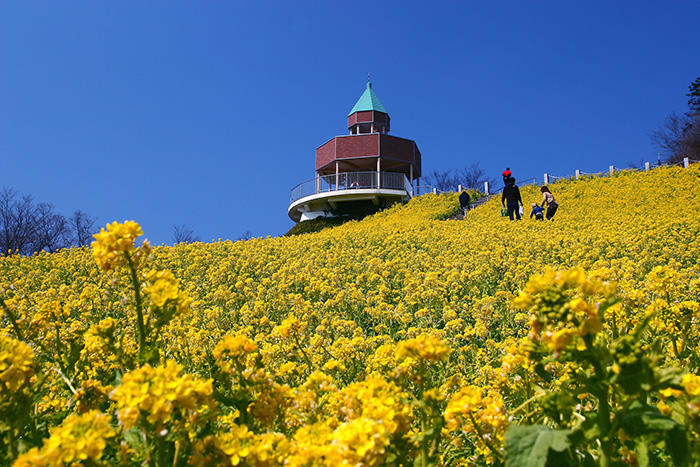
<point>318,343</point>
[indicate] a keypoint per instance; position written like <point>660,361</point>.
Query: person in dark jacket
<point>511,196</point>
<point>464,201</point>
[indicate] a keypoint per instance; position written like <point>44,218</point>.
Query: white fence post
<point>546,179</point>
<point>647,166</point>
<point>578,174</point>
<point>612,170</point>
<point>686,162</point>
<point>486,188</point>
<point>459,188</point>
<point>435,191</point>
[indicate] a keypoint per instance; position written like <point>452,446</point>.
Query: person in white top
<point>548,199</point>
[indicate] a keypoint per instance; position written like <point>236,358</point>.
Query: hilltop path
<point>459,216</point>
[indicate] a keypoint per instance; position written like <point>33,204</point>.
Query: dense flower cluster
<point>112,243</point>
<point>162,398</point>
<point>78,439</point>
<point>478,417</point>
<point>401,339</point>
<point>16,364</point>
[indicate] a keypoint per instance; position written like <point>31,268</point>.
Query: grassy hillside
<point>399,339</point>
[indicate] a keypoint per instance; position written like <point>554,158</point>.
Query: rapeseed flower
<point>16,364</point>
<point>111,245</point>
<point>325,336</point>
<point>78,439</point>
<point>162,398</point>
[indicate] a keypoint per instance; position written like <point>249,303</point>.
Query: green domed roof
<point>368,101</point>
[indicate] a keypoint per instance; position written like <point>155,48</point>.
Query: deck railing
<point>351,181</point>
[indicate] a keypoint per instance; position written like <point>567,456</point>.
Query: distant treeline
<point>27,227</point>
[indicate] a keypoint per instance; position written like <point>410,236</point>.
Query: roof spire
<point>368,101</point>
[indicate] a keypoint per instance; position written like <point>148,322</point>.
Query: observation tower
<point>367,167</point>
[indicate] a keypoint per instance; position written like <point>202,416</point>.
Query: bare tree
<point>27,227</point>
<point>678,137</point>
<point>635,165</point>
<point>474,177</point>
<point>82,227</point>
<point>443,181</point>
<point>51,229</point>
<point>247,235</point>
<point>184,234</point>
<point>17,227</point>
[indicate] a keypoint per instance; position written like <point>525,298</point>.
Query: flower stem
<point>139,309</point>
<point>602,393</point>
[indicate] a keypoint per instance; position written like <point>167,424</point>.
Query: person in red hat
<point>506,175</point>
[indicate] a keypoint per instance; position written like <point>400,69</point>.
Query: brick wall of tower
<point>367,117</point>
<point>325,154</point>
<point>369,145</point>
<point>397,148</point>
<point>418,164</point>
<point>357,146</point>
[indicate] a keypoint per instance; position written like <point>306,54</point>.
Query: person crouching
<point>537,212</point>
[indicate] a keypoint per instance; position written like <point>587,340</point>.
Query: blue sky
<point>208,113</point>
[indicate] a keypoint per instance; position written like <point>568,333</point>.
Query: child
<point>537,211</point>
<point>506,175</point>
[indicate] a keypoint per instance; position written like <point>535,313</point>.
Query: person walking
<point>464,201</point>
<point>548,199</point>
<point>511,196</point>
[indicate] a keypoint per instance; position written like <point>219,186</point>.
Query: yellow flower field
<point>402,339</point>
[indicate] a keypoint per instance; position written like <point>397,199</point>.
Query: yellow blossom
<point>154,395</point>
<point>117,239</point>
<point>691,383</point>
<point>16,364</point>
<point>79,438</point>
<point>424,347</point>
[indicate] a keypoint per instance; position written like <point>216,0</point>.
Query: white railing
<point>490,191</point>
<point>351,181</point>
<point>327,182</point>
<point>612,170</point>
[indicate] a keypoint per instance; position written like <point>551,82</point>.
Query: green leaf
<point>586,431</point>
<point>642,420</point>
<point>530,445</point>
<point>588,460</point>
<point>668,376</point>
<point>677,445</point>
<point>642,450</point>
<point>543,373</point>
